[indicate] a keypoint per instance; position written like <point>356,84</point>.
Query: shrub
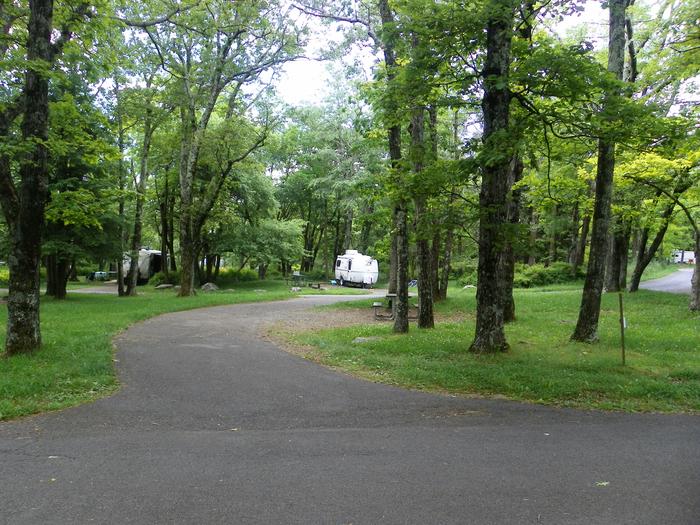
<point>527,276</point>
<point>540,275</point>
<point>4,276</point>
<point>160,278</point>
<point>231,276</point>
<point>461,268</point>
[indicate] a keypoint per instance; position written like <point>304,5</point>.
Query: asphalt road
<point>215,425</point>
<point>678,282</point>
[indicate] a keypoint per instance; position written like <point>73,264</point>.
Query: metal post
<point>622,327</point>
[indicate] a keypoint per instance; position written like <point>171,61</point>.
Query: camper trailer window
<point>350,264</point>
<point>337,263</point>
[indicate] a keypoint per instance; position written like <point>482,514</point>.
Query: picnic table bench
<point>386,310</point>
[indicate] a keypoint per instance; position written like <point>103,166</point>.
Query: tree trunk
<point>188,261</point>
<point>57,269</point>
<point>164,237</point>
<point>393,258</point>
<point>508,255</point>
<point>573,246</point>
<point>401,308</point>
<point>347,239</point>
<point>616,276</point>
<point>695,281</point>
<point>425,280</point>
<point>587,326</point>
<point>366,230</point>
<point>490,335</point>
<point>123,235</point>
<point>644,256</point>
<point>23,319</point>
<point>582,241</point>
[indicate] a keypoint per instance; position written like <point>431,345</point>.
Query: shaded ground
<point>678,282</point>
<point>215,425</point>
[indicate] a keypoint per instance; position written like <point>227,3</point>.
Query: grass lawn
<point>75,363</point>
<point>663,353</point>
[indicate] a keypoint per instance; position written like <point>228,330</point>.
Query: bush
<point>461,268</point>
<point>232,276</point>
<point>540,275</point>
<point>526,276</point>
<point>465,272</point>
<point>4,276</point>
<point>160,278</point>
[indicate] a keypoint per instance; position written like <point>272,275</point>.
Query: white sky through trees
<point>305,81</point>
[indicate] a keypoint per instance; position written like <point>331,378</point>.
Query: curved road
<point>215,425</point>
<point>678,282</point>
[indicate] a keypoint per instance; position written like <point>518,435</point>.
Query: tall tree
<point>211,53</point>
<point>495,165</point>
<point>23,205</point>
<point>587,325</point>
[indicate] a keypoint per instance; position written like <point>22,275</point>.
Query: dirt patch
<point>282,332</point>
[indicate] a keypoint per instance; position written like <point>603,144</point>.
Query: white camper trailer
<point>355,268</point>
<point>683,256</point>
<point>150,263</point>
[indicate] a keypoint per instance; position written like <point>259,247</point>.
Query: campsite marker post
<point>622,326</point>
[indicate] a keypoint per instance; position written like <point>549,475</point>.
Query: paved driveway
<point>678,282</point>
<point>215,425</point>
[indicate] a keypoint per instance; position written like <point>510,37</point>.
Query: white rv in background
<point>355,268</point>
<point>683,256</point>
<point>150,263</point>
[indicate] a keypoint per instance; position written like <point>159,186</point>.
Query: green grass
<point>75,363</point>
<point>543,366</point>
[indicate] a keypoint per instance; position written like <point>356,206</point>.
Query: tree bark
<point>425,280</point>
<point>587,325</point>
<point>347,239</point>
<point>508,254</point>
<point>57,272</point>
<point>393,259</point>
<point>490,335</point>
<point>616,276</point>
<point>401,308</point>
<point>695,281</point>
<point>23,319</point>
<point>574,234</point>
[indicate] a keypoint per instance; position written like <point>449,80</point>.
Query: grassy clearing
<point>75,364</point>
<point>657,269</point>
<point>663,362</point>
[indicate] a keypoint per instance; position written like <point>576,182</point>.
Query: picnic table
<point>386,310</point>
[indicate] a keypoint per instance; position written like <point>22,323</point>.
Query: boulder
<point>164,286</point>
<point>209,287</point>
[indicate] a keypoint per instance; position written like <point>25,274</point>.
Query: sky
<point>305,81</point>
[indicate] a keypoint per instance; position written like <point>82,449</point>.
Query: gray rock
<point>209,287</point>
<point>164,286</point>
